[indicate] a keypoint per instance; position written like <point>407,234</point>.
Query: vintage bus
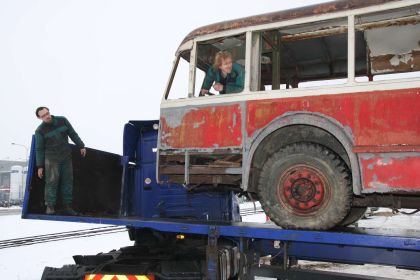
<point>328,120</point>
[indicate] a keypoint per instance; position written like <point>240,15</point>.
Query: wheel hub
<point>302,188</point>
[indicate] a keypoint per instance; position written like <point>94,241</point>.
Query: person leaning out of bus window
<point>227,76</point>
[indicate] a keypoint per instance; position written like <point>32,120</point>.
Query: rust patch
<point>393,63</point>
<point>388,23</point>
<point>314,34</point>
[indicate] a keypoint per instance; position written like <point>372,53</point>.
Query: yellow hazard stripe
<point>119,277</point>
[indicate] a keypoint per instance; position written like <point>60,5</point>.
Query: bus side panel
<point>201,127</point>
<point>390,172</point>
<point>375,118</point>
<point>379,121</point>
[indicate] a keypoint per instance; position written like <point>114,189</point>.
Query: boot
<point>67,210</point>
<point>50,210</point>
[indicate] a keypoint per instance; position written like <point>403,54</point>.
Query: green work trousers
<point>58,180</point>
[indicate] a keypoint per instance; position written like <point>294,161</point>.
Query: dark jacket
<point>233,83</point>
<point>52,140</point>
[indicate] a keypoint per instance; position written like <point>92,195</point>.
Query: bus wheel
<point>355,214</point>
<point>305,186</point>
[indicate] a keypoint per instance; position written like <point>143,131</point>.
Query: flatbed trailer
<point>351,245</point>
<point>180,234</point>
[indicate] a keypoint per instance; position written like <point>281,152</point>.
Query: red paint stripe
<point>131,277</point>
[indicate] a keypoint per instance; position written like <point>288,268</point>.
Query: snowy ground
<point>28,262</point>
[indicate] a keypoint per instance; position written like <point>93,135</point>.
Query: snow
<point>28,262</point>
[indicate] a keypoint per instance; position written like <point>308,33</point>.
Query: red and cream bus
<point>327,123</point>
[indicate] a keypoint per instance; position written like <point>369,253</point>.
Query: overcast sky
<point>99,63</point>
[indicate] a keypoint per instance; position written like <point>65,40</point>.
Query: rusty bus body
<point>331,88</point>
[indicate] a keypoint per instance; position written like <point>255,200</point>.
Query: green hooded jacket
<point>234,80</point>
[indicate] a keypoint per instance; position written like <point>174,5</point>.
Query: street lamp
<point>26,150</point>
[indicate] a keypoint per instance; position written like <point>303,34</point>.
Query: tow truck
<point>183,234</point>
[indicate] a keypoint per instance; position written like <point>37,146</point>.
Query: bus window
<point>305,55</point>
<point>179,81</point>
<point>391,41</point>
<point>206,54</point>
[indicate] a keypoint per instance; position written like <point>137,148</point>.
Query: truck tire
<point>305,186</point>
<point>355,214</point>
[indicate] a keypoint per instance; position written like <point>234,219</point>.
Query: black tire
<point>355,214</point>
<point>305,186</point>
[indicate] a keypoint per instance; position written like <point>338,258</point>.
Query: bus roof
<point>324,8</point>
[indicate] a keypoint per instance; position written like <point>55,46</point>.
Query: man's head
<point>43,113</point>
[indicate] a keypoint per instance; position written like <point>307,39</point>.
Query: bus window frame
<point>184,47</point>
<point>350,52</point>
<point>192,47</point>
<point>249,51</point>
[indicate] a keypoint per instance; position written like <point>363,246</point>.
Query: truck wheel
<point>305,186</point>
<point>355,214</point>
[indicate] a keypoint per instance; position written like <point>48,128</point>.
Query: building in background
<point>4,186</point>
<point>12,181</point>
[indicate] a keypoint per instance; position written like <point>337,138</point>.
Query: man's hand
<point>40,172</point>
<point>83,152</point>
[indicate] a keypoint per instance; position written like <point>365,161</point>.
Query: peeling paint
<point>396,62</point>
<point>384,161</point>
<point>198,124</point>
<point>173,118</point>
<point>379,186</point>
<point>201,127</point>
<point>385,172</point>
<point>366,156</point>
<point>404,58</point>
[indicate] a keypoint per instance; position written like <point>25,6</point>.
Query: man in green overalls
<point>53,157</point>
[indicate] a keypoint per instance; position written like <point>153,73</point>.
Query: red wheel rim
<point>303,190</point>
